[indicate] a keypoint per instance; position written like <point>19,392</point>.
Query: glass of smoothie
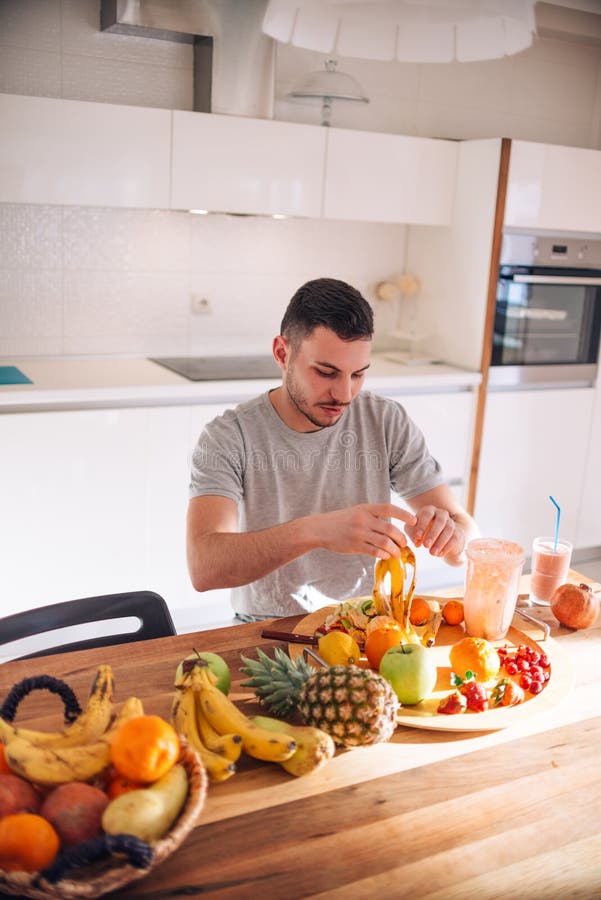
<point>550,565</point>
<point>492,582</point>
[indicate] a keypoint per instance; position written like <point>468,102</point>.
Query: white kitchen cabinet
<point>588,533</point>
<point>554,187</point>
<point>89,154</point>
<point>389,178</point>
<point>234,164</point>
<point>94,501</point>
<point>447,422</point>
<point>534,444</point>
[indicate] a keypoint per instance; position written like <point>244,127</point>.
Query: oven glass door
<point>546,317</point>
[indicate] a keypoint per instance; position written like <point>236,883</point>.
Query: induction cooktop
<point>221,368</point>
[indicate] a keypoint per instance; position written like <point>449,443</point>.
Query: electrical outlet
<point>199,305</point>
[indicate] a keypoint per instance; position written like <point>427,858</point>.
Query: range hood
<point>234,62</point>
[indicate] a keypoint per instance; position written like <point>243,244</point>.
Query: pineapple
<point>355,706</point>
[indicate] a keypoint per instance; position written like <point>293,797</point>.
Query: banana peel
<point>397,603</point>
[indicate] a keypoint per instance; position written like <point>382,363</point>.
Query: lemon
<point>338,649</point>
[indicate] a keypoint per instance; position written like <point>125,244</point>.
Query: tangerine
<point>28,843</point>
<point>452,612</point>
<point>5,769</point>
<point>420,611</point>
<point>475,655</point>
<point>338,648</point>
<point>379,641</point>
<point>144,748</point>
<point>119,784</point>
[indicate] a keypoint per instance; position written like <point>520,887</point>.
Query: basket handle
<point>138,854</point>
<point>8,710</point>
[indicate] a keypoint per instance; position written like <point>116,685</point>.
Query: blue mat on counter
<point>12,375</point>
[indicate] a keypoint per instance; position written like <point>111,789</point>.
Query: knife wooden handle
<point>289,637</point>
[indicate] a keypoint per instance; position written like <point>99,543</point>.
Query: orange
<point>4,766</point>
<point>144,748</point>
<point>379,641</point>
<point>28,843</point>
<point>452,612</point>
<point>475,655</point>
<point>420,611</point>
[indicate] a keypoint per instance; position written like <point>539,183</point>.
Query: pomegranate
<point>575,605</point>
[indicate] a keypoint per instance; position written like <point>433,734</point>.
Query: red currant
<point>537,674</point>
<point>511,667</point>
<point>523,665</point>
<point>534,658</point>
<point>536,687</point>
<point>544,661</point>
<point>526,682</point>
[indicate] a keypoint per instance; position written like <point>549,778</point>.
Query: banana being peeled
<point>184,717</point>
<point>226,718</point>
<point>88,727</point>
<point>51,766</point>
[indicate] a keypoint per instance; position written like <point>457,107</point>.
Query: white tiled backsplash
<point>105,281</point>
<point>76,280</point>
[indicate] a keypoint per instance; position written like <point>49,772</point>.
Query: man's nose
<point>343,390</point>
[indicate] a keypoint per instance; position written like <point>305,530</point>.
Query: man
<point>290,492</point>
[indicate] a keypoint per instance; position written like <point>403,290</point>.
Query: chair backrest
<point>147,606</point>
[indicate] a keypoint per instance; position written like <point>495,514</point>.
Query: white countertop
<point>91,382</point>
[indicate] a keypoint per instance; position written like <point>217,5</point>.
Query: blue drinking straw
<point>557,521</point>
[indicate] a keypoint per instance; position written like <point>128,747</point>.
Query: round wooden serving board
<point>425,714</point>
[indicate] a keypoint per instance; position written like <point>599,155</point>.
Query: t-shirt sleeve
<point>217,460</point>
<point>413,469</point>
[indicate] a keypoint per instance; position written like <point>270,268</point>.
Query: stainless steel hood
<point>234,62</point>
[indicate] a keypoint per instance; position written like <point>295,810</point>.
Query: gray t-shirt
<point>276,474</point>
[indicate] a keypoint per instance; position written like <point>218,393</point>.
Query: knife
<point>289,637</point>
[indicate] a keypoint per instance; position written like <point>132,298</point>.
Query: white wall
<point>104,281</point>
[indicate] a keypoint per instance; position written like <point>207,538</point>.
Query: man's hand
<point>363,529</point>
<point>440,532</point>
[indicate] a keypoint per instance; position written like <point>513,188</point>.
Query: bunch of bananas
<point>219,731</point>
<point>78,752</point>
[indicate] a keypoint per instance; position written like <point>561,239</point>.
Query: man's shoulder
<point>367,403</point>
<point>241,415</point>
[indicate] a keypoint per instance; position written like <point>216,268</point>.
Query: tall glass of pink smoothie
<point>550,565</point>
<point>491,586</point>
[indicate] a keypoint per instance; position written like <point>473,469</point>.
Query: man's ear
<point>281,350</point>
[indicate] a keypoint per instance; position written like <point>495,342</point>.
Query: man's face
<point>321,377</point>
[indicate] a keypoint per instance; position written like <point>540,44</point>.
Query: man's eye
<point>326,374</point>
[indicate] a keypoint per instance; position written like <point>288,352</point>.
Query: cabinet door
<point>554,187</point>
<point>589,523</point>
<point>447,421</point>
<point>88,154</point>
<point>73,505</point>
<point>534,445</point>
<point>233,164</point>
<point>389,178</point>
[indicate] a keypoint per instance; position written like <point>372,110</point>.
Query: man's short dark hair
<point>331,303</point>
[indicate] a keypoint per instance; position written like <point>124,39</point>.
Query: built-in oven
<point>548,311</point>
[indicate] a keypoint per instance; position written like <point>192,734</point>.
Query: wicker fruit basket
<point>109,875</point>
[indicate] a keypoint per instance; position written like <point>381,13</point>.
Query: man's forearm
<point>231,559</point>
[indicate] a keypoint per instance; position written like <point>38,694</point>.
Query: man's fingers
<point>390,511</point>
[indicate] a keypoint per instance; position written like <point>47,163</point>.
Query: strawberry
<point>452,704</point>
<point>475,695</point>
<point>507,693</point>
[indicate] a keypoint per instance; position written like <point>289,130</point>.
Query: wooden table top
<point>438,814</point>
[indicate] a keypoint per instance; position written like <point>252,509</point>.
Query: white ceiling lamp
<point>427,31</point>
<point>326,86</point>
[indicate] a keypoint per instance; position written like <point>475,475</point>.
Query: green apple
<point>411,671</point>
<point>217,665</point>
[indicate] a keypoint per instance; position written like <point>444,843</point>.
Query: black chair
<point>149,608</point>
